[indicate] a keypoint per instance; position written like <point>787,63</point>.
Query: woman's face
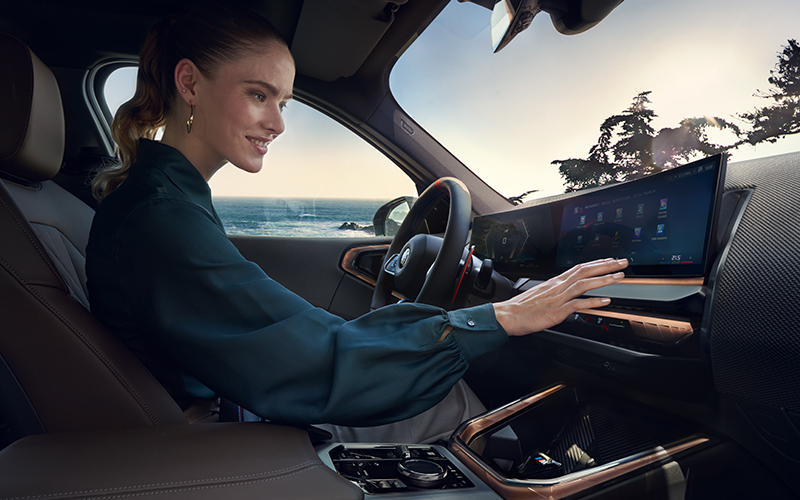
<point>237,113</point>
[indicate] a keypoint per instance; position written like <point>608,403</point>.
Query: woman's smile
<point>260,144</point>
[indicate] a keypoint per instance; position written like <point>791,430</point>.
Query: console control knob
<point>422,473</point>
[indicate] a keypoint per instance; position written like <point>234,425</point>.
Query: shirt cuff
<point>476,330</point>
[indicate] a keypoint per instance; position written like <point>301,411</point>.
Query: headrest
<point>32,133</point>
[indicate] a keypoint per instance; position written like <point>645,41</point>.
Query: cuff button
<point>470,322</point>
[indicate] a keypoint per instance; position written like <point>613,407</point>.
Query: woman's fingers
<point>584,276</point>
<point>580,287</point>
<point>549,303</point>
<point>590,303</point>
<point>596,268</point>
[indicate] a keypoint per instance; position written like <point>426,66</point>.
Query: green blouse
<point>164,278</point>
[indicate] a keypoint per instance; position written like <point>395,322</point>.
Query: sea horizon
<point>309,217</point>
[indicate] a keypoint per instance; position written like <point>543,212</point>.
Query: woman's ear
<point>185,79</point>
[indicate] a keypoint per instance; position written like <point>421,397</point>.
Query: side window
<point>318,178</point>
<point>119,87</point>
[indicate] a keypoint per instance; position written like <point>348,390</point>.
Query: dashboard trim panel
<point>349,266</point>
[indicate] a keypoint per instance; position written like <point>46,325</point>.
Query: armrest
<point>198,462</point>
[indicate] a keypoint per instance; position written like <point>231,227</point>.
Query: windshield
<point>654,85</point>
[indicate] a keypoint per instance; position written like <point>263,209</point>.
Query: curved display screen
<point>661,223</point>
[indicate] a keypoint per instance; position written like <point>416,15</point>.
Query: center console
<point>562,442</point>
<point>565,442</point>
<point>405,471</point>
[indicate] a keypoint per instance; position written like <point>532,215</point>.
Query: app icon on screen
<point>580,239</point>
<point>583,220</point>
<point>640,209</point>
<point>663,205</point>
<point>637,232</point>
<point>660,229</point>
<point>619,213</point>
<point>599,216</point>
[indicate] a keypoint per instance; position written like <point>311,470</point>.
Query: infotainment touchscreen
<point>661,223</point>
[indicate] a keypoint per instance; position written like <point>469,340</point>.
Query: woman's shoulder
<point>147,196</point>
<point>144,184</point>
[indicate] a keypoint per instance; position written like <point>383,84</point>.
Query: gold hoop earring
<point>190,120</point>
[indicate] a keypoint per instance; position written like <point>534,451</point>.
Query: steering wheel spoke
<point>425,266</point>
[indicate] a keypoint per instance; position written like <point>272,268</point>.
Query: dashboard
<point>673,227</point>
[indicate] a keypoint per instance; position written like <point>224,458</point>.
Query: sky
<point>542,98</point>
<point>314,158</point>
<point>545,95</point>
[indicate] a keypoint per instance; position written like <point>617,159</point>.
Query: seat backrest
<point>60,369</point>
<point>62,223</point>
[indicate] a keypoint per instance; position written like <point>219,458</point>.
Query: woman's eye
<point>283,106</point>
<point>259,96</point>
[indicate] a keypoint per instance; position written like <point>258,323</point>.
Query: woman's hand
<point>549,303</point>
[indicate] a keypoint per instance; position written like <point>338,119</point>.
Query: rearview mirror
<point>570,17</point>
<point>510,18</point>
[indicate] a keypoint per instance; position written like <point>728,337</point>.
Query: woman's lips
<point>260,144</point>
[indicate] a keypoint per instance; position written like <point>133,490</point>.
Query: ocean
<point>297,216</point>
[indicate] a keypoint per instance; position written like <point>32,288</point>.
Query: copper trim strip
<point>558,488</point>
<point>571,484</point>
<point>349,264</point>
<point>648,327</point>
<point>686,325</point>
<point>488,420</point>
<point>349,261</point>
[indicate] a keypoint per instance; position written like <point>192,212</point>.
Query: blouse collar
<point>178,169</point>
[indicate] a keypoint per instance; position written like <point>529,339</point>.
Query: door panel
<point>313,268</point>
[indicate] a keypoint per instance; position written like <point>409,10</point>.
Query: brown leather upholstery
<point>59,366</point>
<point>191,462</point>
<point>32,140</point>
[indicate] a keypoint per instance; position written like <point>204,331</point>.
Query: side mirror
<point>388,218</point>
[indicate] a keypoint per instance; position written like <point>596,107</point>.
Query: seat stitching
<point>56,247</point>
<point>33,241</point>
<point>241,479</point>
<point>85,340</point>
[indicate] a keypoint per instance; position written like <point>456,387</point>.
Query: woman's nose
<point>273,121</point>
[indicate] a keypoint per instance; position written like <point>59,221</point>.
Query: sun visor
<point>333,39</point>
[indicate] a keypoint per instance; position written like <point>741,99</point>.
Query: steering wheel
<point>426,266</point>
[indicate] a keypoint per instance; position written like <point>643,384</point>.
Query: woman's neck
<point>192,148</point>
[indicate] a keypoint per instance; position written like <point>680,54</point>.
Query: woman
<point>165,279</point>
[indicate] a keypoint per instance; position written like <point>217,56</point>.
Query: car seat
<point>60,369</point>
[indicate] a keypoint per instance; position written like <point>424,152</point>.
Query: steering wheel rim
<point>441,277</point>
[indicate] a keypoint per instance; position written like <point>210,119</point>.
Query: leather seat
<point>60,369</point>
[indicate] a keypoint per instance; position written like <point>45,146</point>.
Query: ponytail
<point>208,35</point>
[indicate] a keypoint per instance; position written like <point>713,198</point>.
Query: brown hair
<point>207,35</point>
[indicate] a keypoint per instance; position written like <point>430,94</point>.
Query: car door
<point>336,274</point>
